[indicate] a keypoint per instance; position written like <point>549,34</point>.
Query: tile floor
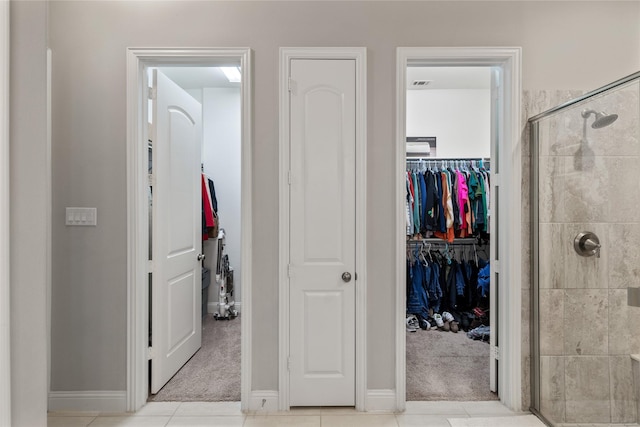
<point>227,414</point>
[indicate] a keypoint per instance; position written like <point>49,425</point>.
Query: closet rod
<point>458,241</point>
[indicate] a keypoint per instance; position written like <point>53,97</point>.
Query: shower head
<point>602,119</point>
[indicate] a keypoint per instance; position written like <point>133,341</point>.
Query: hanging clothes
<point>448,202</point>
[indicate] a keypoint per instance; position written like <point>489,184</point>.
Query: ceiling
<point>450,77</point>
<point>197,77</point>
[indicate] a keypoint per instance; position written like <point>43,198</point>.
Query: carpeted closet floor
<point>447,366</point>
<point>213,373</point>
<point>440,366</point>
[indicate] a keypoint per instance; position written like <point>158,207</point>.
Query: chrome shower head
<point>602,119</point>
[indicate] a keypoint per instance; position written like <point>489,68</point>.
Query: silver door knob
<point>201,257</point>
<point>346,276</point>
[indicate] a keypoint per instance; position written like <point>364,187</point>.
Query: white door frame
<point>137,206</point>
<point>359,54</point>
<point>510,239</point>
<point>5,306</point>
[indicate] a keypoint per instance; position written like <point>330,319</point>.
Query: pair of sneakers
<point>446,322</point>
<point>412,323</point>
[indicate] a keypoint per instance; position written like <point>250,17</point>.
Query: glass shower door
<point>586,254</point>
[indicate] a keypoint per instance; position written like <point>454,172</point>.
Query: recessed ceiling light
<point>232,73</point>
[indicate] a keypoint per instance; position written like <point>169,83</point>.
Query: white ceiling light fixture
<point>232,73</point>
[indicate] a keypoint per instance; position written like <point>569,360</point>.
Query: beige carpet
<point>213,373</point>
<point>447,366</point>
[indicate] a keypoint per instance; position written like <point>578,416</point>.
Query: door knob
<point>346,276</point>
<point>201,257</point>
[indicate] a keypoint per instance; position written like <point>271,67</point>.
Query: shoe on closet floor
<point>454,327</point>
<point>447,317</point>
<point>446,327</point>
<point>412,323</point>
<point>424,323</point>
<point>438,319</point>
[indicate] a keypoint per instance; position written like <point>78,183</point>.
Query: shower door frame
<point>508,60</point>
<point>535,231</point>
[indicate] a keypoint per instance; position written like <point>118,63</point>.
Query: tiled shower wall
<point>533,102</point>
<point>586,329</point>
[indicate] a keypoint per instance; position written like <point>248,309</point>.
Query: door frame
<point>508,59</point>
<point>138,59</point>
<point>5,279</point>
<point>359,54</point>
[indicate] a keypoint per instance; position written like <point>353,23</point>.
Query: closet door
<point>322,232</point>
<point>177,230</point>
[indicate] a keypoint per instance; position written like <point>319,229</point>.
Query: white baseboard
<point>213,306</point>
<point>81,401</point>
<point>264,401</point>
<point>383,400</point>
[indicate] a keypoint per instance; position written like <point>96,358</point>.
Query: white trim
<point>510,301</point>
<point>137,209</point>
<point>264,401</point>
<point>49,207</point>
<point>79,401</point>
<point>5,282</point>
<point>359,54</point>
<point>383,400</point>
<point>212,307</point>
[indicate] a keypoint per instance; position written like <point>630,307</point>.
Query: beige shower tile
<point>525,386</point>
<point>587,390</point>
<point>553,251</point>
<point>586,188</point>
<point>623,396</point>
<point>586,321</point>
<point>526,256</point>
<point>552,326</point>
<point>623,324</point>
<point>551,192</point>
<point>552,388</point>
<point>525,319</point>
<point>623,200</point>
<point>623,254</point>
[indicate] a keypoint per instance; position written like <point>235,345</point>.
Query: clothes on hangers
<point>448,202</point>
<point>210,221</point>
<point>445,280</point>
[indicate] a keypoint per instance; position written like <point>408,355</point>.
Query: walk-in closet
<point>212,373</point>
<point>448,233</point>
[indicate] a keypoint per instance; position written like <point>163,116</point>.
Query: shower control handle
<point>587,244</point>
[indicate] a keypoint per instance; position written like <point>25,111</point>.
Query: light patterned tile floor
<point>227,414</point>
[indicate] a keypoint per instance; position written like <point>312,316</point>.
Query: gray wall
<point>561,49</point>
<point>28,200</point>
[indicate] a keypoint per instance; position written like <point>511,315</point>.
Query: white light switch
<point>81,216</point>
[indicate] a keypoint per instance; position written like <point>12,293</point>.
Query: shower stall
<point>585,188</point>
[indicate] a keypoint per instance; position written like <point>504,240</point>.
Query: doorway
<point>448,167</point>
<point>505,199</point>
<point>139,353</point>
<point>210,371</point>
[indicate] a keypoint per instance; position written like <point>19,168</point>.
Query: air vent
<point>419,84</point>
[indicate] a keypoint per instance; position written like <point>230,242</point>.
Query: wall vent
<point>419,84</point>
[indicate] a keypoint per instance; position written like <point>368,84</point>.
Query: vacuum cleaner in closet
<point>226,308</point>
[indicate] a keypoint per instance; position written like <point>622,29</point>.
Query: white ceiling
<point>197,77</point>
<point>451,77</point>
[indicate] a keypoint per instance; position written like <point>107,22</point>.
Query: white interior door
<point>177,230</point>
<point>322,232</point>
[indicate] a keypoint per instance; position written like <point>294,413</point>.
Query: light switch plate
<point>81,216</point>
